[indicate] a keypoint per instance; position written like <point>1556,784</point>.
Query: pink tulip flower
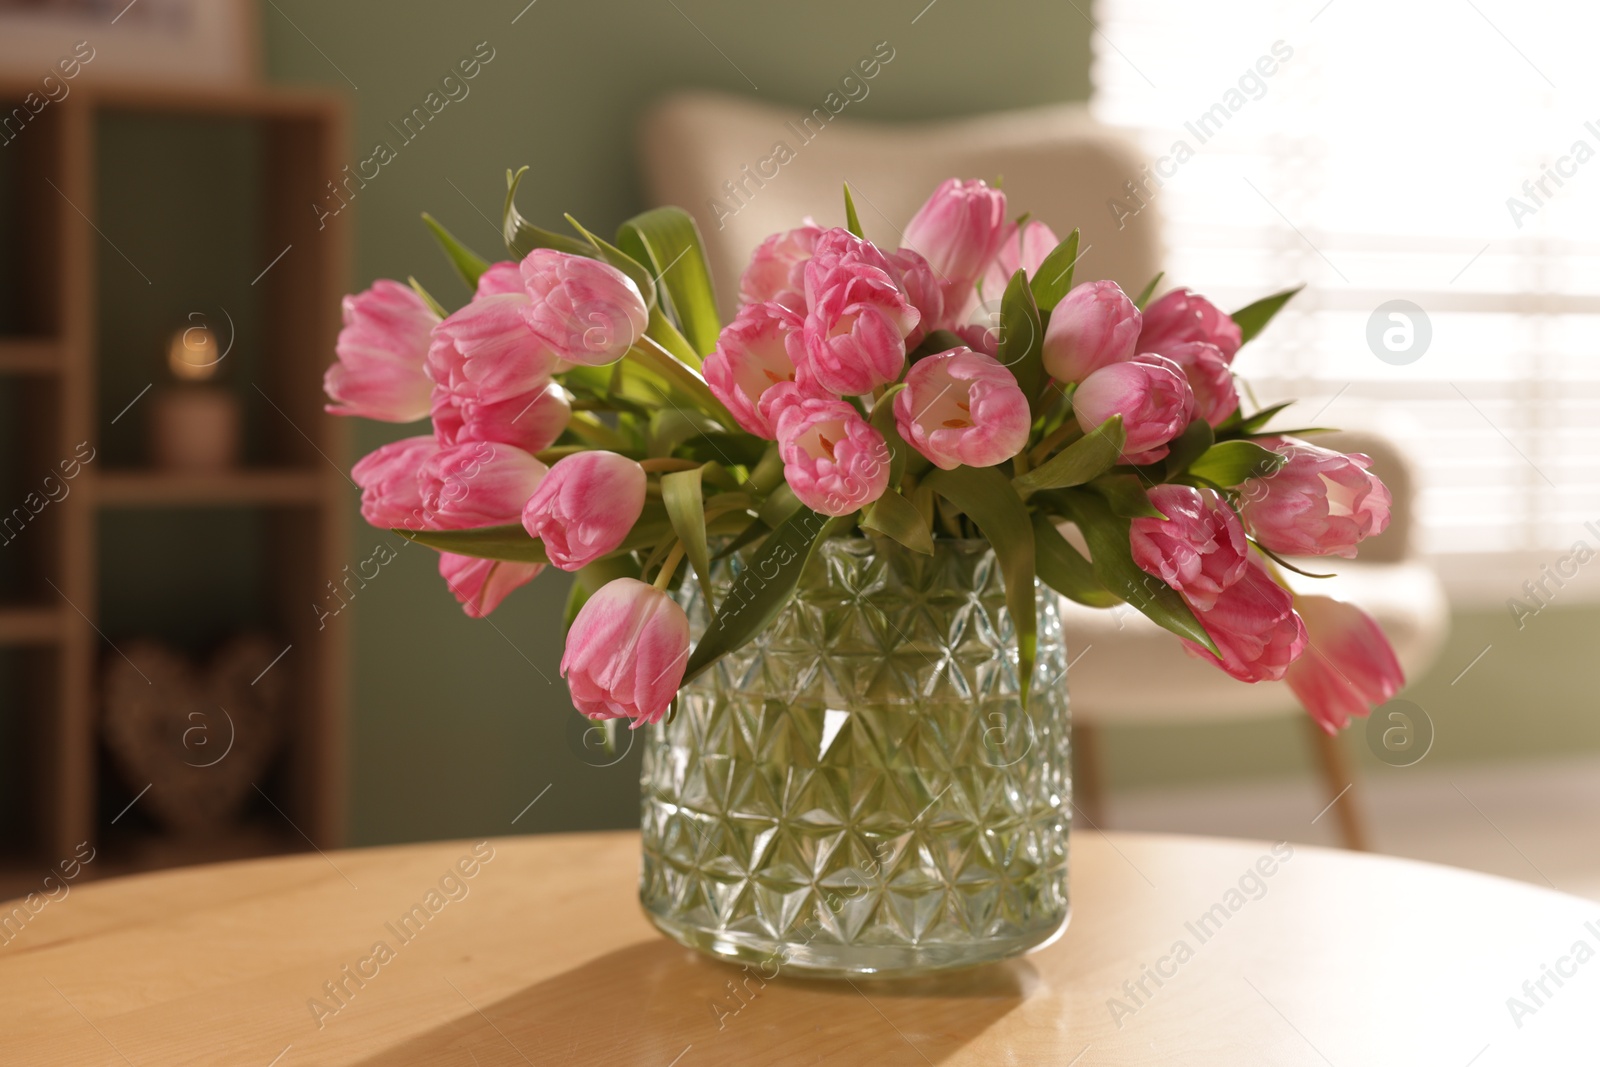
<point>985,339</point>
<point>486,351</point>
<point>777,270</point>
<point>588,311</point>
<point>1183,316</point>
<point>833,459</point>
<point>391,495</point>
<point>477,483</point>
<point>752,355</point>
<point>1152,396</point>
<point>531,422</point>
<point>501,278</point>
<point>1320,503</point>
<point>958,231</point>
<point>479,585</point>
<point>924,291</point>
<point>1199,550</point>
<point>1254,625</point>
<point>1024,248</point>
<point>1206,369</point>
<point>1349,667</point>
<point>626,653</point>
<point>859,317</point>
<point>585,507</point>
<point>1094,326</point>
<point>962,407</point>
<point>381,372</point>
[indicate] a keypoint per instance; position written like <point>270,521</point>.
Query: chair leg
<point>1088,793</point>
<point>1339,779</point>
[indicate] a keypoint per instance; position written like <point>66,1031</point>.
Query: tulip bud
<point>585,507</point>
<point>1349,666</point>
<point>1200,548</point>
<point>958,231</point>
<point>1152,396</point>
<point>1206,369</point>
<point>859,317</point>
<point>383,349</point>
<point>1184,316</point>
<point>752,355</point>
<point>626,652</point>
<point>487,352</point>
<point>962,407</point>
<point>777,270</point>
<point>1094,326</point>
<point>1319,503</point>
<point>1254,625</point>
<point>588,311</point>
<point>833,459</point>
<point>923,290</point>
<point>477,484</point>
<point>1024,248</point>
<point>531,421</point>
<point>501,278</point>
<point>479,585</point>
<point>391,495</point>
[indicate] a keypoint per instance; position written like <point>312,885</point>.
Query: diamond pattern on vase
<point>936,812</point>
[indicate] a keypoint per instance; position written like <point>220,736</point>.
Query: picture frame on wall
<point>142,42</point>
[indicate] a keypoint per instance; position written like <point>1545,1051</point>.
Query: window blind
<point>1441,153</point>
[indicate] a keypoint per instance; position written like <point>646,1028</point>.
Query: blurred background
<point>1436,155</point>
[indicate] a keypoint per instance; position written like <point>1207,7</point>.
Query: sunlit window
<point>1441,152</point>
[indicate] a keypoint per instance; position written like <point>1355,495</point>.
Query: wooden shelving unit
<point>55,329</point>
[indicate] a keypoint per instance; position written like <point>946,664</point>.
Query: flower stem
<point>1042,451</point>
<point>669,566</point>
<point>668,463</point>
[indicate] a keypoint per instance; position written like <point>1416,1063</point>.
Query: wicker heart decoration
<point>197,737</point>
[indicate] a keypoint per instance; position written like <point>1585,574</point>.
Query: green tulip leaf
<point>1232,462</point>
<point>1187,447</point>
<point>883,420</point>
<point>1063,568</point>
<point>1126,494</point>
<point>637,272</point>
<point>511,543</point>
<point>522,236</point>
<point>667,241</point>
<point>1053,280</point>
<point>1112,559</point>
<point>1086,458</point>
<point>684,497</point>
<point>1252,319</point>
<point>895,516</point>
<point>1255,423</point>
<point>1022,340</point>
<point>467,263</point>
<point>1148,291</point>
<point>852,221</point>
<point>764,587</point>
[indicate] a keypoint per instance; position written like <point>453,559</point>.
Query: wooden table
<point>541,956</point>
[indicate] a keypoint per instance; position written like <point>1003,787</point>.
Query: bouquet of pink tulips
<point>590,411</point>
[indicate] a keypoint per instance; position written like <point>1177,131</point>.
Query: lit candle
<point>195,425</point>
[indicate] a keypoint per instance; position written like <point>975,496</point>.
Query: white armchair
<point>700,150</point>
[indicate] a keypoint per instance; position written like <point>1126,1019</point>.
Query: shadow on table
<point>657,1004</point>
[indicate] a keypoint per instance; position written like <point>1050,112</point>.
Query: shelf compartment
<point>240,488</point>
<point>29,357</point>
<point>29,626</point>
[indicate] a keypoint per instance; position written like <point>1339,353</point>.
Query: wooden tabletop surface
<point>532,950</point>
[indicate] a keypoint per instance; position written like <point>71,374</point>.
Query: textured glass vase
<point>858,790</point>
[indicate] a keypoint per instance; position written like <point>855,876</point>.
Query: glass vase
<point>858,790</point>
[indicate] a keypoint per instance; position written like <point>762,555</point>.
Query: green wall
<point>458,724</point>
